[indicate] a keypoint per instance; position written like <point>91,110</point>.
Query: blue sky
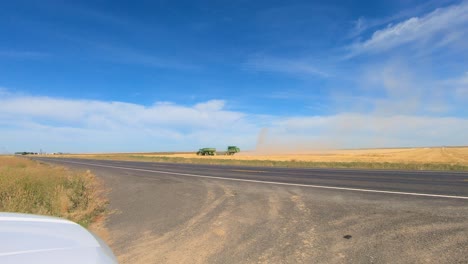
<point>98,76</point>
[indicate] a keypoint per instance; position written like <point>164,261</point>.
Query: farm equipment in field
<point>232,150</point>
<point>206,152</point>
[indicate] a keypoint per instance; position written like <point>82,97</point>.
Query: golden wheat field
<point>446,155</point>
<point>402,155</point>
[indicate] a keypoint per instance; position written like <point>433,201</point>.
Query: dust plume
<point>261,139</point>
<point>408,111</point>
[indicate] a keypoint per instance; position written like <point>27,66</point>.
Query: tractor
<point>231,150</point>
<point>206,152</point>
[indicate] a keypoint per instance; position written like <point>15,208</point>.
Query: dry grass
<point>32,187</point>
<point>437,158</point>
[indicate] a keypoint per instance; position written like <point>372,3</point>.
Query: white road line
<point>276,183</point>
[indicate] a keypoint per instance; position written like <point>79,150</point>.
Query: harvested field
<point>434,158</point>
<point>402,155</point>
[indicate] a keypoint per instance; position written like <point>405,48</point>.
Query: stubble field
<point>434,158</point>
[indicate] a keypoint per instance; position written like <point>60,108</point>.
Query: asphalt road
<point>415,182</point>
<point>184,213</point>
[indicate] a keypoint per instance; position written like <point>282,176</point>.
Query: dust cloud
<point>261,139</point>
<point>407,111</point>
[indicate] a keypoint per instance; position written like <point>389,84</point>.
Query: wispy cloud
<point>16,54</point>
<point>98,43</point>
<point>129,54</point>
<point>364,24</point>
<point>125,54</point>
<point>287,66</point>
<point>462,90</point>
<point>3,91</point>
<point>133,56</point>
<point>458,86</point>
<point>398,87</point>
<point>440,27</point>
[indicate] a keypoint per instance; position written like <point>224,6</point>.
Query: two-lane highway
<point>424,183</point>
<point>187,213</point>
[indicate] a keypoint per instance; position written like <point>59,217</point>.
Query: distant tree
<point>25,153</point>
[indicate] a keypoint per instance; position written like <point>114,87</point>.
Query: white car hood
<point>39,239</point>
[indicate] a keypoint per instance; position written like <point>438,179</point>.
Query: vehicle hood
<point>41,239</point>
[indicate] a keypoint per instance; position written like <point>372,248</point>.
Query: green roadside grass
<point>28,186</point>
<point>288,164</point>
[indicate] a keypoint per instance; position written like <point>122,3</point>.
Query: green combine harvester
<point>232,150</point>
<point>206,152</point>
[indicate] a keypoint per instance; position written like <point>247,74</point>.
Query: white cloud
<point>213,105</point>
<point>55,124</point>
<point>440,27</point>
<point>91,113</point>
<point>117,124</point>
